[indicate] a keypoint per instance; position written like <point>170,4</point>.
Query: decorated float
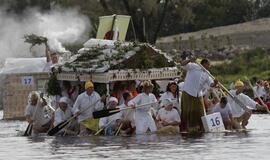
<point>107,61</point>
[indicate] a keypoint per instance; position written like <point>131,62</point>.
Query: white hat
<point>167,102</point>
<point>63,100</point>
<point>113,99</point>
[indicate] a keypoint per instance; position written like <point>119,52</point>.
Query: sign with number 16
<point>213,122</point>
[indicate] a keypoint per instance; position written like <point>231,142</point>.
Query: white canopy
<point>23,65</point>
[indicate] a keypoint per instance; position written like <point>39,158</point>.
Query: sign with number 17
<point>27,80</point>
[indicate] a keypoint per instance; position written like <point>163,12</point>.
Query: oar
<point>257,95</point>
<point>104,127</point>
<point>121,125</point>
<point>61,125</point>
<point>28,130</point>
<point>244,107</point>
<point>108,112</point>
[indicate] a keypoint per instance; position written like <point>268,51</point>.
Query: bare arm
<point>47,52</point>
<point>185,62</point>
<point>29,119</point>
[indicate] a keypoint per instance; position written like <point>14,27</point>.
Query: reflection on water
<point>238,145</point>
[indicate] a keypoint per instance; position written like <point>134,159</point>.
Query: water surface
<point>253,144</point>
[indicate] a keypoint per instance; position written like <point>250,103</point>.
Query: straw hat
<point>147,83</point>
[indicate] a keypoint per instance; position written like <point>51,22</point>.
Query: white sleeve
<point>76,106</point>
<point>210,80</point>
<point>28,111</point>
<point>158,115</point>
<point>135,101</point>
<point>229,108</point>
<point>102,122</point>
<point>57,118</point>
<point>249,102</point>
<point>154,99</point>
<point>176,116</point>
<point>99,105</point>
<point>191,66</point>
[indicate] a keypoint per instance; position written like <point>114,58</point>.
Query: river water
<point>253,144</point>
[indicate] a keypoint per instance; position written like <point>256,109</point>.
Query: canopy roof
<point>99,56</point>
<point>105,61</point>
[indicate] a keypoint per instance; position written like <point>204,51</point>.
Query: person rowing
<point>81,109</point>
<point>35,114</point>
<point>143,116</point>
<point>239,114</point>
<point>113,121</point>
<point>192,105</point>
<point>63,113</point>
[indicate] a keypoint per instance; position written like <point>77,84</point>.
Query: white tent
<point>23,65</point>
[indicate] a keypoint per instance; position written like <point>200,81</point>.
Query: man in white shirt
<point>192,106</point>
<point>86,103</point>
<point>143,115</point>
<point>259,89</point>
<point>128,122</point>
<point>224,108</point>
<point>168,116</point>
<point>51,59</point>
<point>35,114</point>
<point>239,114</point>
<point>111,123</point>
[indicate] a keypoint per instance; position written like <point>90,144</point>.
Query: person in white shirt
<point>192,105</point>
<point>168,116</point>
<point>259,89</point>
<point>143,115</point>
<point>86,103</point>
<point>224,108</point>
<point>239,114</point>
<point>111,123</point>
<point>63,113</point>
<point>172,92</point>
<point>128,122</point>
<point>35,114</point>
<point>51,59</point>
<point>69,91</point>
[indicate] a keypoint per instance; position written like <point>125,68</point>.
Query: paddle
<point>256,93</point>
<point>244,107</point>
<point>61,125</point>
<point>28,130</point>
<point>108,112</point>
<point>103,128</point>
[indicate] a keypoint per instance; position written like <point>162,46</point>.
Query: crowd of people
<point>145,109</point>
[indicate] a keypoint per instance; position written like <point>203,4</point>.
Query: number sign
<point>27,80</point>
<point>213,122</point>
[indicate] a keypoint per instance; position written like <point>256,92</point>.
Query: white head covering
<point>63,100</point>
<point>113,99</point>
<point>167,102</point>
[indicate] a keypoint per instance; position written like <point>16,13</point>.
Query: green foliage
<point>254,62</point>
<point>146,58</point>
<point>35,39</point>
<point>53,86</point>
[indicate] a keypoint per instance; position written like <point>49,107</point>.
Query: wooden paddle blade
<point>57,128</point>
<point>28,130</point>
<point>105,113</point>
